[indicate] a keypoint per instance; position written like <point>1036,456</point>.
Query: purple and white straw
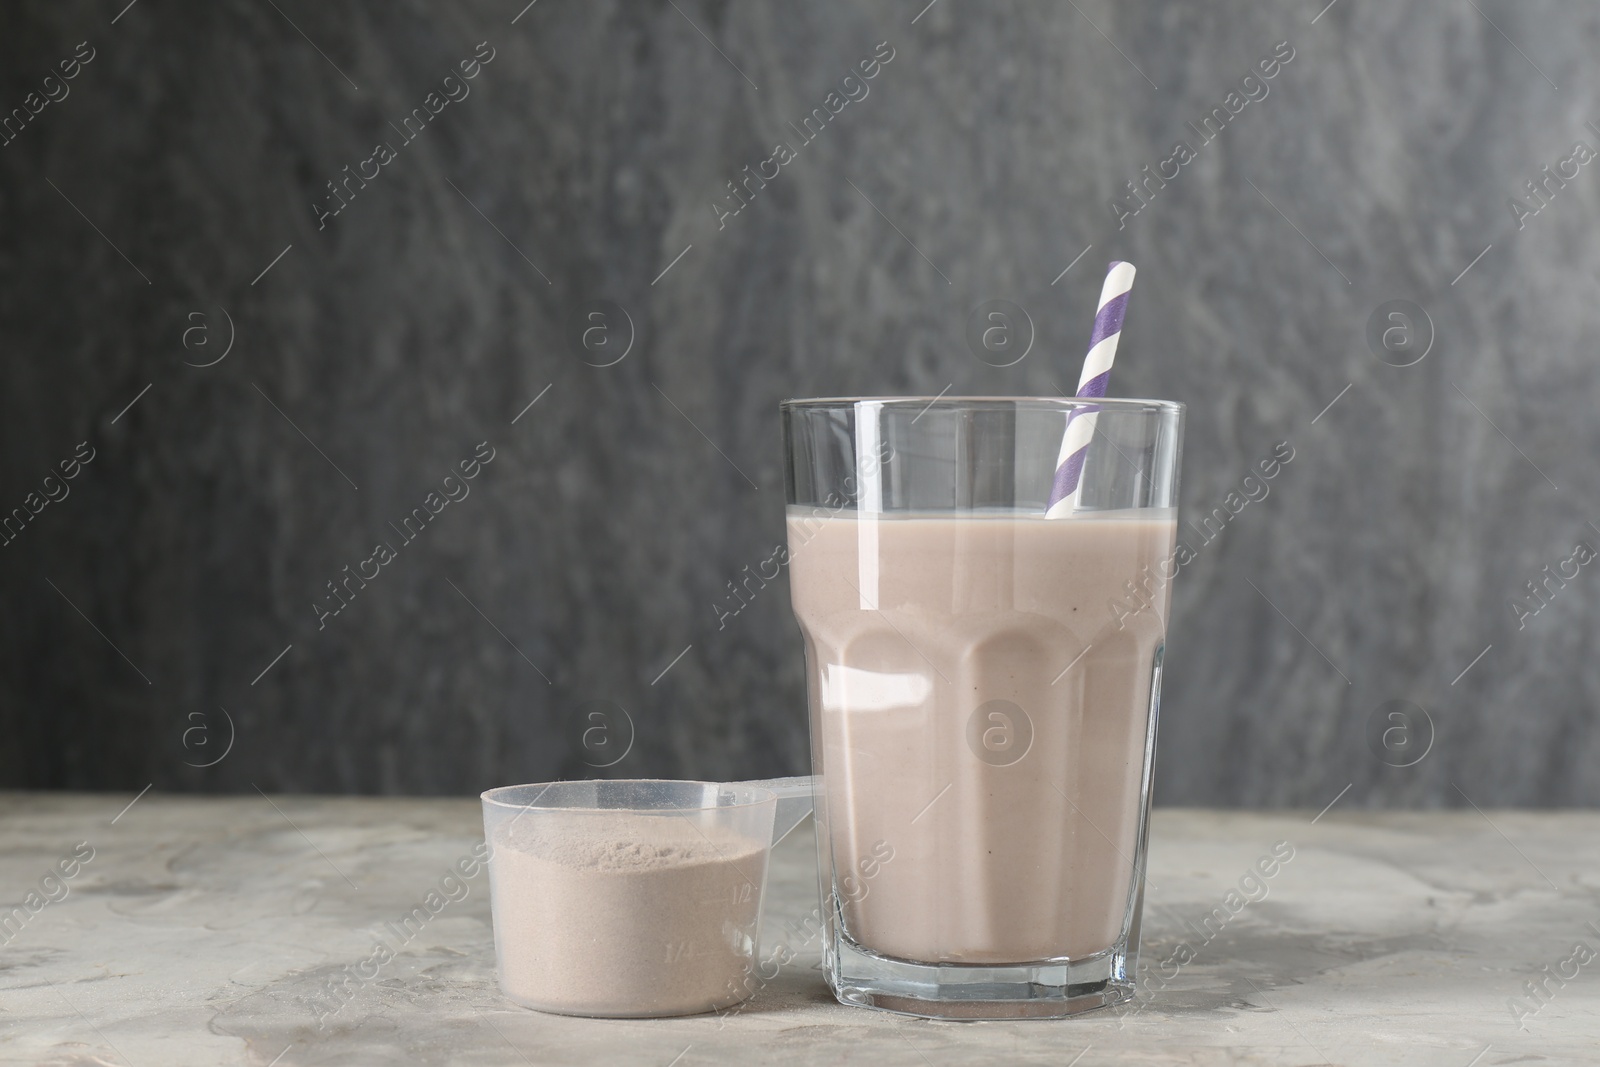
<point>1091,383</point>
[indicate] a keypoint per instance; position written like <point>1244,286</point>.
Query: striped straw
<point>1092,383</point>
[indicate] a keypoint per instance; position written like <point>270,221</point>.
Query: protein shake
<point>980,705</point>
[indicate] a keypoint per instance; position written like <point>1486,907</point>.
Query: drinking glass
<point>983,684</point>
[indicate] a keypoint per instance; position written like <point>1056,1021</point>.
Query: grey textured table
<point>212,931</point>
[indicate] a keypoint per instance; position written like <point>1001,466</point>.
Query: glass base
<point>1048,989</point>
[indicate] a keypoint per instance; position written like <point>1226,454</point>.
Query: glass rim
<point>758,795</point>
<point>1123,404</point>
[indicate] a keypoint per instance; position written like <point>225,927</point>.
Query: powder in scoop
<point>622,914</point>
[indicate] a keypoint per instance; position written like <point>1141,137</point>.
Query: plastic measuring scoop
<point>633,898</point>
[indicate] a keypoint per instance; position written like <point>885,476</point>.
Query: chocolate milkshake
<point>981,703</point>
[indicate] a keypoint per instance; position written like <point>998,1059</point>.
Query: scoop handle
<point>794,801</point>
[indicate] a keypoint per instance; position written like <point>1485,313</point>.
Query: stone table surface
<point>203,930</point>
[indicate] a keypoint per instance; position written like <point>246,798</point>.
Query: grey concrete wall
<point>174,198</point>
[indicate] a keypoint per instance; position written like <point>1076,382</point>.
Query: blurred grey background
<point>172,198</point>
